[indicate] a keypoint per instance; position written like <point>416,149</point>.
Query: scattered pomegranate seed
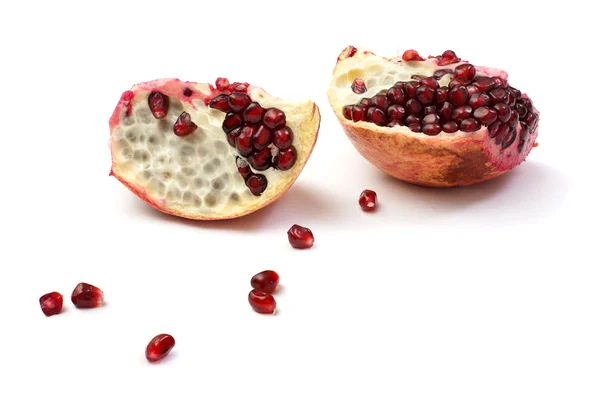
<point>159,105</point>
<point>51,303</point>
<point>87,296</point>
<point>159,347</point>
<point>184,125</point>
<point>411,55</point>
<point>368,200</point>
<point>262,302</point>
<point>265,281</point>
<point>300,237</point>
<point>358,86</point>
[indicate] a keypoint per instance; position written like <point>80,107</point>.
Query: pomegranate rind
<point>305,136</point>
<point>444,160</point>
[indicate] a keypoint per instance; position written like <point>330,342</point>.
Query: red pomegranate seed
<point>239,87</point>
<point>431,129</point>
<point>159,105</point>
<point>509,139</point>
<point>261,160</point>
<point>426,95</point>
<point>396,112</point>
<point>466,70</point>
<point>472,89</point>
<point>300,237</point>
<point>485,115</point>
<point>413,106</point>
<point>484,84</point>
<point>359,113</point>
<point>159,347</point>
<point>503,131</point>
<point>438,74</point>
<point>253,113</point>
<point>458,96</point>
<point>187,92</point>
<point>469,125</point>
<point>257,184</point>
<point>411,89</point>
<point>376,116</point>
<point>396,95</point>
<point>412,119</point>
<point>442,94</point>
<point>243,167</point>
<point>461,113</point>
<point>265,281</point>
<point>233,135</point>
<point>500,82</point>
<point>222,83</point>
<point>244,143</point>
<point>478,100</point>
<point>512,100</point>
<point>450,127</point>
<point>183,125</point>
<point>51,303</point>
<point>430,110</point>
<point>231,122</point>
<point>262,137</point>
<point>515,92</point>
<point>220,103</point>
<point>431,119</point>
<point>286,158</point>
<point>493,129</point>
<point>430,82</point>
<point>415,127</point>
<point>524,129</point>
<point>448,57</point>
<point>348,112</point>
<point>411,55</point>
<point>499,95</point>
<point>513,120</point>
<point>87,296</point>
<point>238,101</point>
<point>380,101</point>
<point>445,111</point>
<point>458,81</point>
<point>368,200</point>
<point>261,302</point>
<point>503,111</point>
<point>358,86</point>
<point>274,118</point>
<point>521,110</point>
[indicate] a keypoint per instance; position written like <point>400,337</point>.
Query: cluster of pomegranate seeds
<point>159,107</point>
<point>469,102</point>
<point>256,182</point>
<point>300,237</point>
<point>159,347</point>
<point>87,296</point>
<point>51,303</point>
<point>260,297</point>
<point>368,200</point>
<point>259,135</point>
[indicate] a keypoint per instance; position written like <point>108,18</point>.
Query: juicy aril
<point>438,122</point>
<point>209,152</point>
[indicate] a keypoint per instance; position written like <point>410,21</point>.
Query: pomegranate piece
<point>300,237</point>
<point>448,57</point>
<point>183,125</point>
<point>466,71</point>
<point>191,177</point>
<point>411,55</point>
<point>159,105</point>
<point>368,200</point>
<point>265,281</point>
<point>261,302</point>
<point>51,303</point>
<point>159,347</point>
<point>358,86</point>
<point>87,296</point>
<point>396,95</point>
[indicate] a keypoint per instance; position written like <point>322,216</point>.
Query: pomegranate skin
<point>461,159</point>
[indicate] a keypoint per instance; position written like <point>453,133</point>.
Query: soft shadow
<point>300,203</point>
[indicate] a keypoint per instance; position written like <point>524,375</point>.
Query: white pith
<point>197,174</point>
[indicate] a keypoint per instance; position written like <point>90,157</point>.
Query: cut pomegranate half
<point>438,122</point>
<point>177,145</point>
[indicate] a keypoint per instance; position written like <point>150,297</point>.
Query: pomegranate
<point>438,122</point>
<point>300,237</point>
<point>177,146</point>
<point>265,281</point>
<point>87,296</point>
<point>262,302</point>
<point>368,200</point>
<point>159,347</point>
<point>51,303</point>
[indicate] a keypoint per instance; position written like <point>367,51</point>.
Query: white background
<point>487,290</point>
